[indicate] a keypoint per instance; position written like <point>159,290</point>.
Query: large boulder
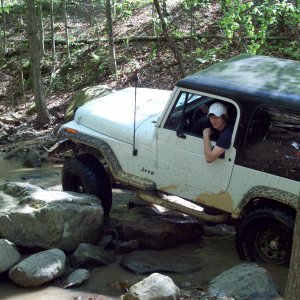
<point>9,255</point>
<point>244,281</point>
<point>159,230</point>
<point>39,268</point>
<point>85,95</point>
<point>88,255</point>
<point>149,261</point>
<point>156,286</point>
<point>35,217</point>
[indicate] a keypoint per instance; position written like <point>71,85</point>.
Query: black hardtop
<point>263,79</point>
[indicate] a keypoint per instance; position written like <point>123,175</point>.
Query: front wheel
<point>265,235</point>
<point>79,176</point>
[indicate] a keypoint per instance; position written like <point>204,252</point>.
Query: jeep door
<point>181,162</point>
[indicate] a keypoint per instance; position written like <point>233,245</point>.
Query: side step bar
<point>183,206</point>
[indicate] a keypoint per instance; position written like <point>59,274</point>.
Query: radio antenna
<point>137,80</point>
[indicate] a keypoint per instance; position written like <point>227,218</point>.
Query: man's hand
<point>206,133</point>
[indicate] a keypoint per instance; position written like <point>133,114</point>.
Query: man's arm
<point>210,154</point>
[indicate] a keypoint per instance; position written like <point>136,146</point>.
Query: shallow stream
<point>216,253</point>
<point>46,176</point>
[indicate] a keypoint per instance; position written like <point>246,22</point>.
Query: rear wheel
<point>265,235</point>
<point>79,176</point>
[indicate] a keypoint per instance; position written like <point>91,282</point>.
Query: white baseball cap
<point>218,109</point>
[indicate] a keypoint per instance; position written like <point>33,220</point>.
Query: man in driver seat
<point>217,115</point>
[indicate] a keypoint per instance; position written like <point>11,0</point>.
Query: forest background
<point>53,48</point>
<point>50,49</point>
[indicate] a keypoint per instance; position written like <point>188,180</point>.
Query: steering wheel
<point>200,120</point>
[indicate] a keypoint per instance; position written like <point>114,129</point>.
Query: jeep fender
<point>82,143</point>
<point>267,193</point>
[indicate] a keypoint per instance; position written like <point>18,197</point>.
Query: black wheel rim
<point>273,244</point>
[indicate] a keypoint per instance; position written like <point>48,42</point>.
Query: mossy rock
<point>83,96</point>
<point>31,110</point>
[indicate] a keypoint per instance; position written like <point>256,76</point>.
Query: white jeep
<point>151,140</point>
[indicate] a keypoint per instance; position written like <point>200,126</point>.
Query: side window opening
<point>273,141</point>
<point>195,111</point>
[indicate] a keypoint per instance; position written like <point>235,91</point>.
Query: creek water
<point>46,176</point>
<point>215,252</point>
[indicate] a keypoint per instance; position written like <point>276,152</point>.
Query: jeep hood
<point>113,115</point>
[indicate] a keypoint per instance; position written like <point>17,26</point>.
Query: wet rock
<point>76,278</point>
<point>244,281</point>
<point>195,294</point>
<point>125,247</point>
<point>9,255</point>
<point>49,219</point>
<point>32,159</point>
<point>124,285</point>
<point>156,286</point>
<point>147,261</point>
<point>92,297</point>
<point>39,268</point>
<point>157,230</point>
<point>219,230</point>
<point>205,297</point>
<point>88,255</point>
<point>84,96</point>
<point>106,240</point>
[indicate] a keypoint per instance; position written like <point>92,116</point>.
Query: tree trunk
<point>110,38</point>
<point>22,77</point>
<point>192,32</point>
<point>292,290</point>
<point>4,27</point>
<point>66,30</point>
<point>169,40</point>
<point>52,32</point>
<point>164,8</point>
<point>114,8</point>
<point>43,115</point>
<point>95,22</point>
<point>41,28</point>
<point>90,9</point>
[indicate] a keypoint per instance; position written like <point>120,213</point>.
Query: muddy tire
<point>265,235</point>
<point>80,177</point>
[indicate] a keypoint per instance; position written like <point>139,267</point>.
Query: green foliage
<point>25,64</point>
<point>154,50</point>
<point>252,22</point>
<point>288,49</point>
<point>292,50</point>
<point>209,56</point>
<point>195,4</point>
<point>86,66</point>
<point>176,33</point>
<point>126,8</point>
<point>157,25</point>
<point>6,9</point>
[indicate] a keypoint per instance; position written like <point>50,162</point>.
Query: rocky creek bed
<point>189,253</point>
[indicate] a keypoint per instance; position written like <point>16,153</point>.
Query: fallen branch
<point>147,38</point>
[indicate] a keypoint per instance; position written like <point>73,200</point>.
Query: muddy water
<point>46,176</point>
<point>216,252</point>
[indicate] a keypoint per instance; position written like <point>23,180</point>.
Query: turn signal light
<point>71,130</point>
